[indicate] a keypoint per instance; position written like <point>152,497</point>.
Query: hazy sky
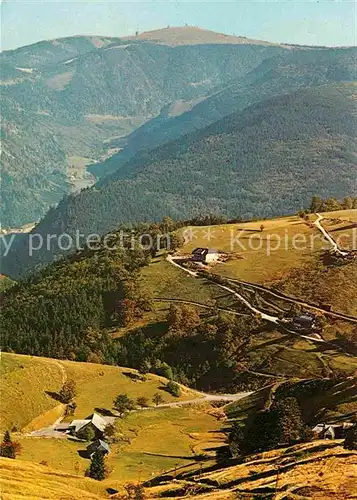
<point>315,22</point>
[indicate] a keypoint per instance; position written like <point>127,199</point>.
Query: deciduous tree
<point>157,399</point>
<point>122,403</point>
<point>68,391</point>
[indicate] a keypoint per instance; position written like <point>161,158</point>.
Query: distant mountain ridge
<point>194,35</point>
<point>275,76</point>
<point>67,97</point>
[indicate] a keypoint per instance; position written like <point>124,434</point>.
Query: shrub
<point>143,401</point>
<point>157,399</point>
<point>173,388</point>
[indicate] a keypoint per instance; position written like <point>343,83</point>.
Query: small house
<point>304,322</point>
<point>205,255</point>
<point>98,445</point>
<point>95,421</point>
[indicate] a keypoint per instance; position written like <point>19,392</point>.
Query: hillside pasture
<point>148,442</point>
<point>98,385</point>
<point>342,225</point>
<point>29,386</point>
<point>258,251</point>
<point>26,384</point>
<point>21,480</point>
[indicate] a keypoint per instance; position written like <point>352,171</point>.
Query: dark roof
<point>305,318</point>
<point>203,251</point>
<point>200,251</point>
<point>98,445</point>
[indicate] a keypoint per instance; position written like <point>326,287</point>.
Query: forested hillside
<point>66,310</point>
<point>66,97</point>
<point>267,160</point>
<point>278,75</point>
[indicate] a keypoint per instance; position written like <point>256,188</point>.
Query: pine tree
<point>97,466</point>
<point>8,448</point>
<point>290,424</point>
<point>350,442</point>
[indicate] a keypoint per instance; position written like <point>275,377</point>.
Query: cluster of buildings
<point>97,424</point>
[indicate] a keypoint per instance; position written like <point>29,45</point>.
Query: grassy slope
<point>324,405</point>
<point>24,382</point>
<point>20,480</point>
<point>175,433</point>
<point>253,262</point>
<point>26,379</point>
<point>157,440</point>
<point>272,351</point>
<point>318,470</point>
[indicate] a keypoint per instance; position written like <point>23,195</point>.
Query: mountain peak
<point>192,35</point>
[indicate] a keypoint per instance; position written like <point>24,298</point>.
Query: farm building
<point>205,255</point>
<point>304,322</point>
<point>331,431</point>
<point>98,445</point>
<point>96,422</point>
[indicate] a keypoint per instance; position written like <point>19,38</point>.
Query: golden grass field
<point>26,380</point>
<point>255,256</point>
<point>25,480</point>
<point>318,470</point>
<point>154,441</point>
<point>151,441</point>
<point>343,227</point>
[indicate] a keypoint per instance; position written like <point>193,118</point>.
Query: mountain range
<point>67,97</point>
<point>204,123</point>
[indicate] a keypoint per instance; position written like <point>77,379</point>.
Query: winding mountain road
<point>328,237</point>
<point>293,300</point>
<point>204,397</point>
<point>267,317</point>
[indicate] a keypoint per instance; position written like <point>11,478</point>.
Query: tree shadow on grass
<point>104,411</point>
<point>83,454</point>
<point>54,395</point>
<point>344,228</point>
<point>135,377</point>
<point>177,457</point>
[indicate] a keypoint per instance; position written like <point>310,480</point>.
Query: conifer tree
<point>8,448</point>
<point>97,466</point>
<point>350,442</point>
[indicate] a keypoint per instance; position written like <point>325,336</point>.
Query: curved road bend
<point>288,298</point>
<point>267,317</point>
<point>328,237</point>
